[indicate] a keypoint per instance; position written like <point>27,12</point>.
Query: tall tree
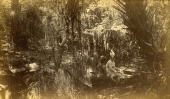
<point>70,13</point>
<point>15,6</point>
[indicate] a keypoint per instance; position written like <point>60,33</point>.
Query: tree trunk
<point>15,7</point>
<point>58,58</point>
<point>57,55</point>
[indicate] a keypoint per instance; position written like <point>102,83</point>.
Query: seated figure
<point>111,70</point>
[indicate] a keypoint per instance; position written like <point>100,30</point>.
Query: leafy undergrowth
<point>47,84</point>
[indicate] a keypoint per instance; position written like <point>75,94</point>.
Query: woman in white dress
<point>111,70</point>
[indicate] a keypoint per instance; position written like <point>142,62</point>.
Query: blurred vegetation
<point>66,38</point>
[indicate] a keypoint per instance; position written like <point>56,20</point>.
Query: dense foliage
<point>150,26</point>
<point>52,47</point>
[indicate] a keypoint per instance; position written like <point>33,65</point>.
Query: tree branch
<point>146,43</point>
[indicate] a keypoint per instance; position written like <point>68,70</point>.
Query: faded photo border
<point>73,49</point>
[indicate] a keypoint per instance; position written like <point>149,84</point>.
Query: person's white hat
<point>112,54</point>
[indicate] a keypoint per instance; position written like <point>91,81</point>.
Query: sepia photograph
<point>84,49</point>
